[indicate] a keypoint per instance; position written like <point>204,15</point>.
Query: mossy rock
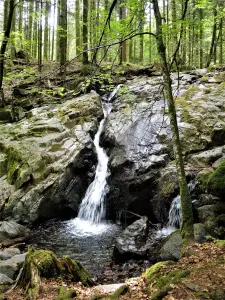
<point>216,181</point>
<point>65,294</point>
<point>156,279</point>
<point>151,273</point>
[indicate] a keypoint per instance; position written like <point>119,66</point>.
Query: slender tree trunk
<point>20,24</point>
<point>213,39</point>
<point>40,41</point>
<point>150,30</point>
<point>85,31</point>
<point>53,32</point>
<point>46,31</point>
<point>12,35</point>
<point>187,230</point>
<point>30,25</point>
<point>221,41</point>
<point>35,36</point>
<point>123,47</point>
<point>63,36</point>
<point>78,30</point>
<point>141,38</point>
<point>4,46</point>
<point>200,38</point>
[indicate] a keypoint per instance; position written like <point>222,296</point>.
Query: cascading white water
<point>92,206</point>
<point>175,210</point>
<point>175,213</point>
<point>92,209</point>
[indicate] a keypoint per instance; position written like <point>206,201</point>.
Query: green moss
<point>220,243</point>
<point>3,165</point>
<point>151,273</point>
<point>44,263</point>
<point>201,295</point>
<point>56,147</point>
<point>73,270</point>
<point>120,291</point>
<point>188,94</point>
<point>220,77</point>
<point>163,282</point>
<point>64,294</point>
<point>202,179</point>
<point>216,182</point>
<point>204,79</point>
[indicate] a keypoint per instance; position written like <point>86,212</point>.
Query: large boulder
<point>132,241</point>
<point>171,248</point>
<point>47,160</point>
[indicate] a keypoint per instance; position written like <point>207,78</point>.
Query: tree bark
<point>63,36</point>
<point>4,46</point>
<point>187,230</point>
<point>85,31</point>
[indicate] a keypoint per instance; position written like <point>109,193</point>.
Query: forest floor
<point>205,279</point>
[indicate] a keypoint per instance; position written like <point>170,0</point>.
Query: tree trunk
<point>46,32</point>
<point>40,41</point>
<point>123,46</point>
<point>200,38</point>
<point>63,36</point>
<point>213,39</point>
<point>3,47</point>
<point>85,31</point>
<point>187,230</point>
<point>53,32</point>
<point>78,34</point>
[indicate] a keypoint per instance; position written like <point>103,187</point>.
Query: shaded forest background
<point>59,30</point>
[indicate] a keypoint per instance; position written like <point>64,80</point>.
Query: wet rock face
<point>47,160</point>
<point>143,174</point>
<point>134,133</point>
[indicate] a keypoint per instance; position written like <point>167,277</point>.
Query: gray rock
<point>11,230</point>
<point>10,267</point>
<point>132,241</point>
<point>207,199</point>
<point>5,279</point>
<point>200,232</point>
<point>207,157</point>
<point>109,288</point>
<point>8,253</point>
<point>207,212</point>
<point>171,248</point>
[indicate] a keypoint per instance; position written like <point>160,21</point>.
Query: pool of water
<point>90,244</point>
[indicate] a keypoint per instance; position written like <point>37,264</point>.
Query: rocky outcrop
<point>143,174</point>
<point>47,159</point>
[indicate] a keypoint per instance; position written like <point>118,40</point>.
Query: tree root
<point>44,263</point>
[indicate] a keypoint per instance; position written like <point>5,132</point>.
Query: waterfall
<point>175,213</point>
<point>175,210</point>
<point>92,208</point>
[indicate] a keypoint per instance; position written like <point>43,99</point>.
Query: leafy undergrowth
<point>200,274</point>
